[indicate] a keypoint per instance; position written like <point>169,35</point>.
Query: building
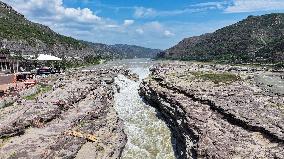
<point>7,62</point>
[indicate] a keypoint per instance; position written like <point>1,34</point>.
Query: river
<point>148,136</point>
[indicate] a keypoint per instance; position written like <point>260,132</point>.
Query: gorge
<point>219,95</point>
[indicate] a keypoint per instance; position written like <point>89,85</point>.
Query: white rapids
<point>148,136</point>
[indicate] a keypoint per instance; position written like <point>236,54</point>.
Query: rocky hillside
<point>254,39</point>
<point>21,35</point>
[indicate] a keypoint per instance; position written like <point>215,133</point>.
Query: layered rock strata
<point>215,118</point>
<point>74,120</point>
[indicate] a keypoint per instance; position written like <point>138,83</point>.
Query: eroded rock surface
<point>217,111</point>
<point>76,119</point>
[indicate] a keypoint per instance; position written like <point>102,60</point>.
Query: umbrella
<point>43,57</point>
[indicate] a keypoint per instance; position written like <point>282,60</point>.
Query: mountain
<point>133,51</point>
<point>254,39</point>
<point>21,35</point>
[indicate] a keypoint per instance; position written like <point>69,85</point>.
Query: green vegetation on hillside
<point>133,51</point>
<point>18,30</point>
<point>74,63</point>
<point>13,26</point>
<point>257,39</point>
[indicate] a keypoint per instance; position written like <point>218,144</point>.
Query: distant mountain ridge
<point>21,35</point>
<point>254,39</point>
<point>134,51</point>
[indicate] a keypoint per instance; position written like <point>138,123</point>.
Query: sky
<point>149,23</point>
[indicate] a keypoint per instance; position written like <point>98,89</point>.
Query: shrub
<point>217,77</point>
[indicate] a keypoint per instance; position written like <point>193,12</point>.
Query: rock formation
<point>217,111</point>
<point>75,119</point>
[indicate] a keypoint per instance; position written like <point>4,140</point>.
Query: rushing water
<point>148,136</point>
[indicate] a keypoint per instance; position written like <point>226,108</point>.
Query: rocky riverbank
<point>75,119</point>
<point>218,111</point>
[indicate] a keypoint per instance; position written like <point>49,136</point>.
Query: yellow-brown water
<point>148,136</point>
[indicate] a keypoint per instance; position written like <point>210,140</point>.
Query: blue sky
<point>150,23</point>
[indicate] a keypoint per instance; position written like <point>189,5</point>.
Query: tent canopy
<point>43,57</point>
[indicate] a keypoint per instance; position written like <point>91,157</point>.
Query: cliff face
<point>21,35</point>
<point>256,38</point>
<point>215,113</point>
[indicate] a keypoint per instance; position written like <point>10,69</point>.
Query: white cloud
<point>228,6</point>
<point>66,20</point>
<point>86,24</point>
<point>128,22</point>
<point>141,12</point>
<point>83,23</point>
<point>239,6</point>
<point>54,9</point>
<point>154,29</point>
<point>211,5</point>
<point>140,31</point>
<point>111,26</point>
<point>155,26</point>
<point>168,33</point>
<point>84,15</point>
